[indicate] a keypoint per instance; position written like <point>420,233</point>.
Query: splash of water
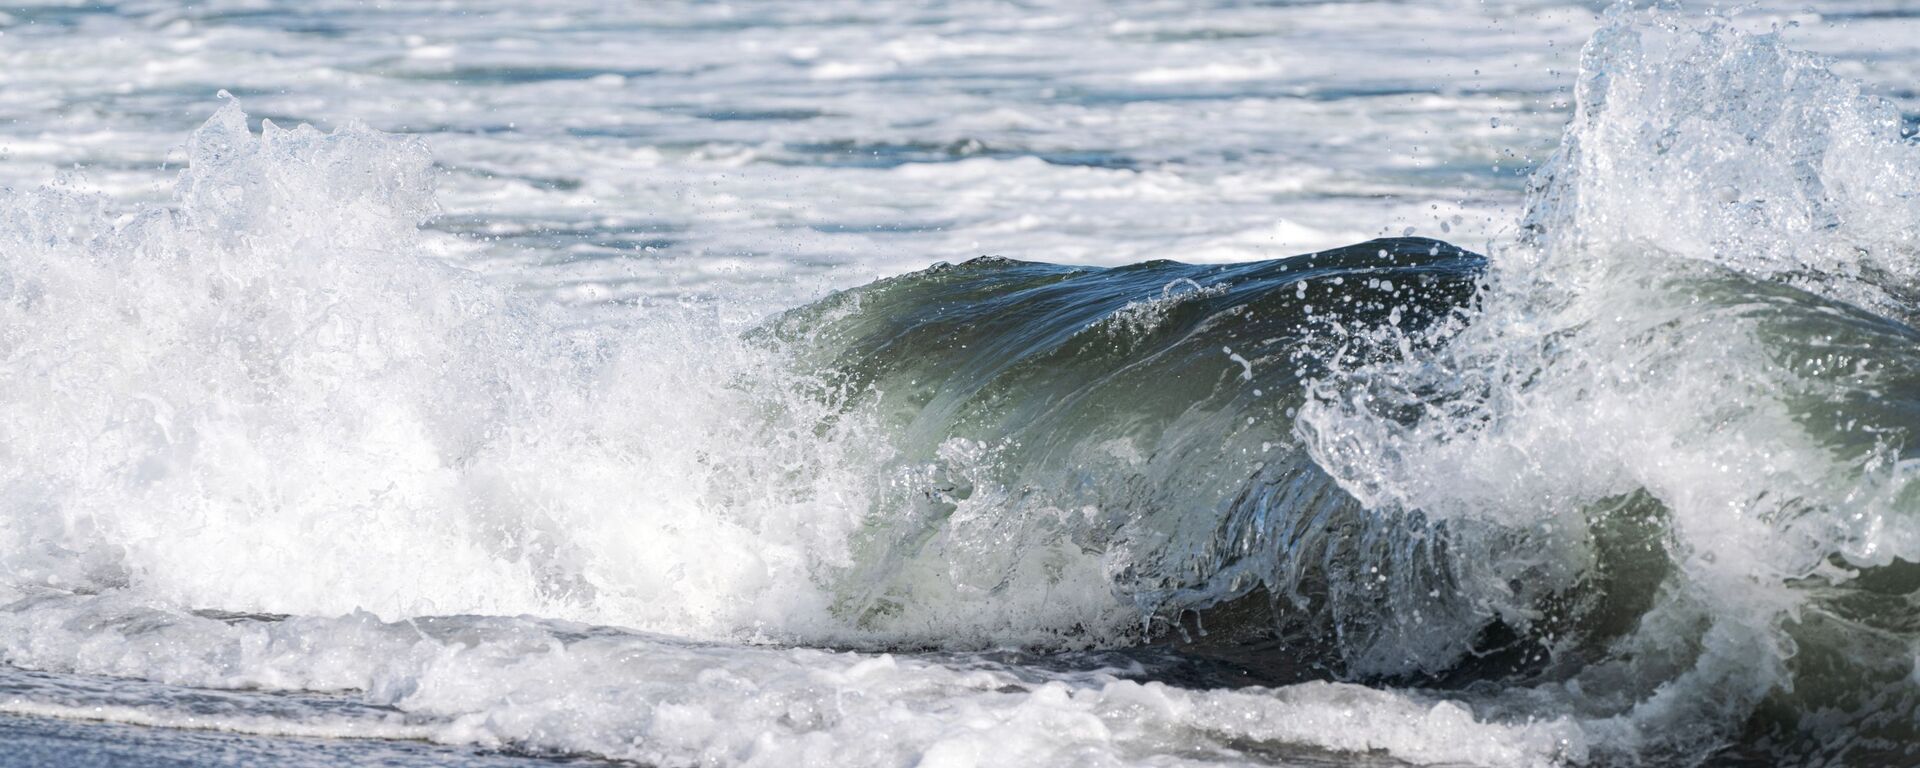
<point>272,396</point>
<point>1706,312</point>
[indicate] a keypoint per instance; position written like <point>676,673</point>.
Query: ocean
<point>1142,383</point>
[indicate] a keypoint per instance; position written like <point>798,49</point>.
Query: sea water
<point>441,383</point>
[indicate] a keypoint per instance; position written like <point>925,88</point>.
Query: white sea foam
<point>1636,339</point>
<point>552,686</point>
<point>276,372</point>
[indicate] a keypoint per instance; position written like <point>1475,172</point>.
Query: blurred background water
<point>608,151</point>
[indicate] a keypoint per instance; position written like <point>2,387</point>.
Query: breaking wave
<point>1636,485</point>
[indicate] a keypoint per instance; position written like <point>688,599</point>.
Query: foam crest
<point>1700,141</point>
<point>274,396</point>
<point>1690,315</point>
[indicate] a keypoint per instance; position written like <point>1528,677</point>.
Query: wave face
<point>1132,427</point>
<point>1637,486</point>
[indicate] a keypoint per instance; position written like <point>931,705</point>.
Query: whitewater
<point>865,384</point>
